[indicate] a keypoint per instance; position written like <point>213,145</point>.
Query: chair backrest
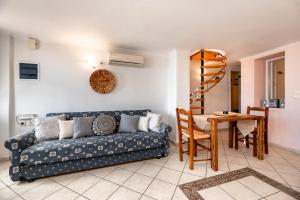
<point>184,121</point>
<point>263,110</point>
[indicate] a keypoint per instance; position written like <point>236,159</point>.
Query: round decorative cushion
<point>104,125</point>
<point>102,81</point>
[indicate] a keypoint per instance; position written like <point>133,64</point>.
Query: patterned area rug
<point>235,184</point>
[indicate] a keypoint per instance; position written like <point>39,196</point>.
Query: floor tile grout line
<point>26,190</point>
<point>9,186</point>
<point>154,178</point>
<point>250,188</point>
<point>282,149</point>
<point>275,170</point>
<point>272,194</point>
<point>288,160</point>
<point>119,186</point>
<point>224,151</point>
<point>245,157</point>
<point>226,192</point>
<point>50,179</point>
<point>52,193</point>
<point>156,175</point>
<point>125,181</point>
<point>179,179</point>
<point>66,186</point>
<point>101,179</point>
<point>113,192</point>
<point>111,181</point>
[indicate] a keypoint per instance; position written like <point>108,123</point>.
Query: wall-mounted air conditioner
<point>124,59</point>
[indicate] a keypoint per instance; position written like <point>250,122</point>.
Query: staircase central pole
<point>202,79</point>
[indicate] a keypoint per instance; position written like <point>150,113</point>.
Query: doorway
<point>235,91</point>
<point>275,87</point>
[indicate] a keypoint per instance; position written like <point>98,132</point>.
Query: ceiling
<point>239,27</point>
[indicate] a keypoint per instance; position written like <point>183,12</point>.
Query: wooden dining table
<point>233,119</point>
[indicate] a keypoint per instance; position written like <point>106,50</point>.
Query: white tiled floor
<point>158,178</point>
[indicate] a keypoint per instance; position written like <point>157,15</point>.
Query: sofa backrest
<point>116,114</point>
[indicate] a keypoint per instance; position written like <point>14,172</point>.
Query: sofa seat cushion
<point>86,147</point>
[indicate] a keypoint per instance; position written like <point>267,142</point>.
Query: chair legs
<point>191,158</point>
<point>192,151</point>
<point>180,148</point>
<point>266,144</point>
<point>236,140</point>
<point>247,141</point>
<point>254,145</point>
<point>195,147</point>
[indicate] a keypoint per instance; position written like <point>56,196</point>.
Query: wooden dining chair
<point>253,140</point>
<point>186,128</point>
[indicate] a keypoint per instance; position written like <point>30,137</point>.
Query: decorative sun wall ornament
<point>102,81</point>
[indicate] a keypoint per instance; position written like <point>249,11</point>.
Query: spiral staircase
<point>213,69</point>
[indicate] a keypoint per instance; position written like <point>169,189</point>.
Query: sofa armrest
<point>20,142</point>
<point>16,145</point>
<point>165,129</point>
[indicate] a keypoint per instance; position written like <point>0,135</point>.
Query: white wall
<point>5,74</point>
<point>162,85</point>
<point>178,86</point>
<point>64,82</point>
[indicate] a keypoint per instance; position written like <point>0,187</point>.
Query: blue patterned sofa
<point>31,160</point>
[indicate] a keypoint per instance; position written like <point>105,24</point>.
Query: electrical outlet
<point>26,120</point>
<point>22,123</point>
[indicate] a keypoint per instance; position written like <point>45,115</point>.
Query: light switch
<point>296,94</point>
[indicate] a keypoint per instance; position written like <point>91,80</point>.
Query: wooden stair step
<point>196,107</point>
<point>210,59</point>
<point>210,51</point>
<point>209,81</point>
<point>213,66</point>
<point>198,99</point>
<point>208,54</point>
<point>213,73</point>
<point>202,91</point>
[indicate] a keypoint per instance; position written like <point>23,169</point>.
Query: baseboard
<point>171,141</point>
<point>285,148</point>
<point>3,159</point>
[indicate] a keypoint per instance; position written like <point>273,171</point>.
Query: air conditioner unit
<point>128,60</point>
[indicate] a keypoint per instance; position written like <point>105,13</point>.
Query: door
<point>235,91</point>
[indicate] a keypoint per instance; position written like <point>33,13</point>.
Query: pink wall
<point>247,84</point>
<point>284,126</point>
<point>259,81</point>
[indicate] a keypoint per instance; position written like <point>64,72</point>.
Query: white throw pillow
<point>154,121</point>
<point>143,124</point>
<point>66,129</point>
<point>47,128</point>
